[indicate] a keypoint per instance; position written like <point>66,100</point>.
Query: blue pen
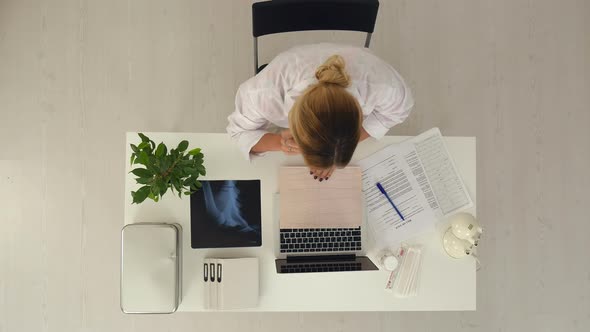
<point>389,199</point>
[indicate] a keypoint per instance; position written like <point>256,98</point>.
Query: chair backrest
<point>278,16</point>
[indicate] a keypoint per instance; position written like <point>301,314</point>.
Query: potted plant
<point>177,169</point>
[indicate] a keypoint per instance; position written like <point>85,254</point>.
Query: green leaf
<point>144,180</point>
<point>177,185</point>
<point>132,159</point>
<point>182,146</point>
<point>142,173</point>
<point>188,181</point>
<point>173,154</point>
<point>190,170</point>
<point>143,145</point>
<point>142,158</point>
<point>143,137</point>
<point>184,163</point>
<point>155,189</point>
<point>134,148</point>
<point>165,164</point>
<point>160,150</point>
<point>201,169</point>
<point>152,168</point>
<point>140,195</point>
<point>187,193</point>
<point>176,173</point>
<point>198,184</point>
<point>151,164</point>
<point>161,186</point>
<point>153,197</point>
<point>194,152</point>
<point>157,164</point>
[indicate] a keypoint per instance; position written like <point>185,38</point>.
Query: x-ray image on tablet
<point>225,214</point>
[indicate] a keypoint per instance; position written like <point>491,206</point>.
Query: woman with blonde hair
<point>329,97</point>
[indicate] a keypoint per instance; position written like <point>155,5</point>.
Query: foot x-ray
<point>226,214</point>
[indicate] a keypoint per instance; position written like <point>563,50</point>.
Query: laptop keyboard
<point>320,240</point>
<point>320,267</point>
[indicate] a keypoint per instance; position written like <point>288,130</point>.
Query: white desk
<point>446,284</point>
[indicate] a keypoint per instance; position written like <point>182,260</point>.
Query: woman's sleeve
<point>247,125</point>
<point>259,96</point>
<point>392,106</point>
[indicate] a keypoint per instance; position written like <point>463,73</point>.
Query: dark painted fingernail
<point>327,178</point>
<point>321,180</point>
<point>315,177</point>
<point>310,172</point>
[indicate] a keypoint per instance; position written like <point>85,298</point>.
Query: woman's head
<point>326,120</point>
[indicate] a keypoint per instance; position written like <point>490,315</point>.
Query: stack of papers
<point>421,179</point>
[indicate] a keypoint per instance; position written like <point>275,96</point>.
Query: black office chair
<point>278,16</point>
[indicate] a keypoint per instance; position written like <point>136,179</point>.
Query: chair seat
<point>261,67</point>
<point>270,17</point>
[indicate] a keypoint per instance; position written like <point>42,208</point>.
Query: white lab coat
<point>266,99</point>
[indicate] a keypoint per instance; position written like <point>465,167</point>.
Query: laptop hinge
<point>330,258</point>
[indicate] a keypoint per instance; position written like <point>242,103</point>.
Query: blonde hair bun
<point>332,72</point>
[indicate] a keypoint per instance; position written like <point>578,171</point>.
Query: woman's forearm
<point>268,142</point>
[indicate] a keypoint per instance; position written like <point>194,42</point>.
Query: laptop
<point>320,224</point>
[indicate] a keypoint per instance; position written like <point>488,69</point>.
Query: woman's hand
<point>364,135</point>
<point>321,174</point>
<point>288,145</point>
<point>277,142</point>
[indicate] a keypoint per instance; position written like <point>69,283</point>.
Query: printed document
<point>422,181</point>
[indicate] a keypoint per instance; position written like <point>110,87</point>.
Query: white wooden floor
<point>76,75</point>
